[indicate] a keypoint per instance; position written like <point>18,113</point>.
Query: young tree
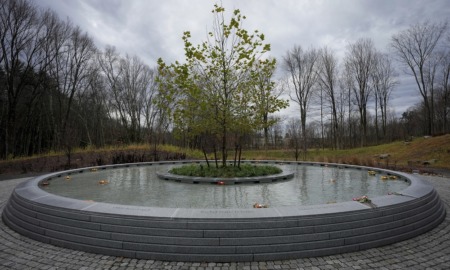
<point>266,95</point>
<point>302,68</point>
<point>213,87</point>
<point>414,48</point>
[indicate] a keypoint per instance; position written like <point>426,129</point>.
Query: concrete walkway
<point>428,251</point>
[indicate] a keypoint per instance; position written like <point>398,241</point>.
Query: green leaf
<point>221,89</point>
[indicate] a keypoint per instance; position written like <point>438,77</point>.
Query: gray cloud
<point>152,28</point>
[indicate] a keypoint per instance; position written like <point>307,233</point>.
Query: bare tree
<point>19,44</point>
<point>70,69</point>
<point>134,83</point>
<point>91,107</point>
<point>52,92</point>
<point>384,81</point>
<point>57,49</point>
<point>131,86</point>
<point>293,134</point>
<point>328,81</point>
<point>276,133</point>
<point>346,87</point>
<point>359,62</point>
<point>414,48</point>
<point>150,110</point>
<point>342,108</point>
<point>109,63</point>
<point>443,97</point>
<point>35,84</point>
<point>301,66</point>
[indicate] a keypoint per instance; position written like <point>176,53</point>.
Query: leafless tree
<point>91,107</point>
<point>276,133</point>
<point>131,85</point>
<point>70,68</point>
<point>384,81</point>
<point>109,63</point>
<point>301,67</point>
<point>51,85</point>
<point>443,95</point>
<point>359,61</point>
<point>150,110</point>
<point>328,81</point>
<point>20,29</point>
<point>342,98</point>
<point>346,107</point>
<point>134,83</point>
<point>414,48</point>
<point>293,132</point>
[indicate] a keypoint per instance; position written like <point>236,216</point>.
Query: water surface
<point>140,186</point>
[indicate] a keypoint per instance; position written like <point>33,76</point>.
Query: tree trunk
<point>240,155</point>
<point>215,156</point>
<point>303,120</point>
<point>224,147</point>
<point>376,119</point>
<point>206,157</point>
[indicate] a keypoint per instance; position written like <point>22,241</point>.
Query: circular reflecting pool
<point>312,184</point>
<point>126,210</point>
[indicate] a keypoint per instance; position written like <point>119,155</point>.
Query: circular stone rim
<point>30,190</point>
<point>223,235</point>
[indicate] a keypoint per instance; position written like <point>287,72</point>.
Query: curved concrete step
<point>270,236</point>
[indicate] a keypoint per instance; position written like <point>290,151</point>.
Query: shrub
<point>245,170</point>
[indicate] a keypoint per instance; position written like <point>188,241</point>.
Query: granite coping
<point>430,250</point>
<point>30,190</point>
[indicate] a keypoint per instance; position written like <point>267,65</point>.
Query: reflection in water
<point>301,170</point>
<point>140,186</point>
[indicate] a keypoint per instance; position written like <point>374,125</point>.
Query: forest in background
<point>59,91</point>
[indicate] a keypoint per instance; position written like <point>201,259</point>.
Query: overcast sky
<point>153,28</point>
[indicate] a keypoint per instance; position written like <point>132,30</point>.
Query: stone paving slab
<point>428,251</point>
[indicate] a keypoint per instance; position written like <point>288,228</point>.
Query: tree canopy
<point>216,89</point>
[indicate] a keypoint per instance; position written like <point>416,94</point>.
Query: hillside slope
<point>422,153</point>
<point>425,154</point>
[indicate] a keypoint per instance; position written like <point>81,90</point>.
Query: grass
<point>192,153</point>
<point>245,170</point>
<point>435,150</point>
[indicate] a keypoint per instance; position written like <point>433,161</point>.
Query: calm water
<point>140,186</point>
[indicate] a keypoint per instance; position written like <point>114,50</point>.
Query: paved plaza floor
<point>428,251</point>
